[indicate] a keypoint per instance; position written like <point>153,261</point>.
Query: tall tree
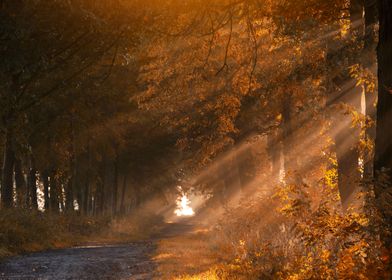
<point>8,169</point>
<point>383,145</point>
<point>369,65</point>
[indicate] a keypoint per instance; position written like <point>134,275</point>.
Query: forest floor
<point>167,255</point>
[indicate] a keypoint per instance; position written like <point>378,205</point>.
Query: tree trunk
<point>79,189</point>
<point>287,132</point>
<point>69,197</point>
<point>232,182</point>
<point>274,150</point>
<point>1,179</point>
<point>124,186</point>
<point>369,63</point>
<point>115,185</point>
<point>45,181</point>
<point>99,197</point>
<point>383,145</point>
<point>91,205</point>
<point>20,184</point>
<point>370,27</point>
<point>71,185</point>
<point>32,185</point>
<point>8,170</point>
<point>86,196</point>
<point>347,137</point>
<point>54,193</point>
<point>356,14</point>
<point>346,147</point>
<point>291,166</point>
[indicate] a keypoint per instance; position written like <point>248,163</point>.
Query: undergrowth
<point>287,236</point>
<point>24,230</point>
<point>293,235</point>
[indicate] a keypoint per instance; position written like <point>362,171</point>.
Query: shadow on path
<point>121,261</point>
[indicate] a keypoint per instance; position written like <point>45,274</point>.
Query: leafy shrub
<point>288,236</point>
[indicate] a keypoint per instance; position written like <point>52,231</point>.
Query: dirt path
<point>127,261</point>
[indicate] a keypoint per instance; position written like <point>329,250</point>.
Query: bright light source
<point>183,208</point>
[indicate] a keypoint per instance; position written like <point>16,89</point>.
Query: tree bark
<point>356,13</point>
<point>69,197</point>
<point>124,186</point>
<point>45,181</point>
<point>99,197</point>
<point>71,186</point>
<point>274,150</point>
<point>86,196</point>
<point>371,18</point>
<point>54,193</point>
<point>8,170</point>
<point>32,184</point>
<point>369,63</point>
<point>345,136</point>
<point>287,131</point>
<point>20,184</point>
<point>290,159</point>
<point>383,145</point>
<point>115,185</point>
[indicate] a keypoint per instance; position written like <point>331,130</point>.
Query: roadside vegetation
<point>285,236</point>
<point>25,231</point>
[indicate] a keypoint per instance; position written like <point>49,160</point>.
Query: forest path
<point>121,261</point>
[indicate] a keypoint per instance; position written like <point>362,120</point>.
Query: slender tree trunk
<point>62,194</point>
<point>45,181</point>
<point>28,191</point>
<point>77,185</point>
<point>100,197</point>
<point>79,189</point>
<point>54,193</point>
<point>69,191</point>
<point>71,186</point>
<point>8,170</point>
<point>287,132</point>
<point>91,205</point>
<point>86,195</point>
<point>69,197</point>
<point>124,188</point>
<point>32,184</point>
<point>115,185</point>
<point>274,151</point>
<point>20,184</point>
<point>105,191</point>
<point>383,146</point>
